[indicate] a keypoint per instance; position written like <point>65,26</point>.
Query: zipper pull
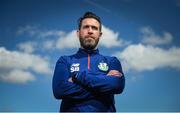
<point>89,61</point>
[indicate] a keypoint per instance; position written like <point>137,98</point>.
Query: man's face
<point>89,33</point>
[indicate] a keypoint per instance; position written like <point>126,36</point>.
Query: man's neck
<point>88,49</point>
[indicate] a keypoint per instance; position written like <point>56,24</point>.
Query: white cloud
<point>30,30</point>
<point>151,38</point>
<point>23,62</point>
<point>49,44</point>
<point>110,38</point>
<point>50,33</point>
<point>40,33</point>
<point>28,47</point>
<point>140,57</point>
<point>17,76</point>
<point>69,40</point>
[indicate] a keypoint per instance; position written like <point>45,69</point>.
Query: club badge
<point>103,66</point>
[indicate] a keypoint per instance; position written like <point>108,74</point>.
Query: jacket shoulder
<point>110,58</point>
<point>65,58</point>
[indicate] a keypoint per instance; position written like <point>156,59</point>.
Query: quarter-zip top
<point>92,90</point>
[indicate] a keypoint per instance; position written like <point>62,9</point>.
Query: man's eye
<point>94,27</point>
<point>85,27</point>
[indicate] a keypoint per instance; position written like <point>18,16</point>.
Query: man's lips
<point>90,37</point>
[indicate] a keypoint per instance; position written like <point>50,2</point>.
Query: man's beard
<point>88,43</point>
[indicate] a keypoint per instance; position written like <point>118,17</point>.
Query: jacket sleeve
<point>62,88</point>
<point>101,82</point>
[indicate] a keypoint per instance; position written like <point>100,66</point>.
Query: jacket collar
<point>84,51</point>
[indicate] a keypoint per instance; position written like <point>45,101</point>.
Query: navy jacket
<point>92,90</point>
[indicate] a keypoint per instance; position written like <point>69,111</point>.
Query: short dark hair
<point>89,15</point>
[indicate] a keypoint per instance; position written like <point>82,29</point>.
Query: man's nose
<point>90,31</point>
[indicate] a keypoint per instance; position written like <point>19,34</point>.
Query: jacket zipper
<point>89,61</point>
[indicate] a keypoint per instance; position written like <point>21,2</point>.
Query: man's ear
<point>77,33</point>
<point>100,34</point>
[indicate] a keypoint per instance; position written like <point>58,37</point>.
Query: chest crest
<point>103,66</point>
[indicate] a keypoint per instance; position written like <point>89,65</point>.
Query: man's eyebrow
<point>93,26</point>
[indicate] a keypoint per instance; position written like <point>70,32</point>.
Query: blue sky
<point>144,35</point>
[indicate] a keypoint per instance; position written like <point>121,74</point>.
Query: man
<point>87,80</point>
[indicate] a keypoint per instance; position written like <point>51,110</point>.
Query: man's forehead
<point>90,21</point>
